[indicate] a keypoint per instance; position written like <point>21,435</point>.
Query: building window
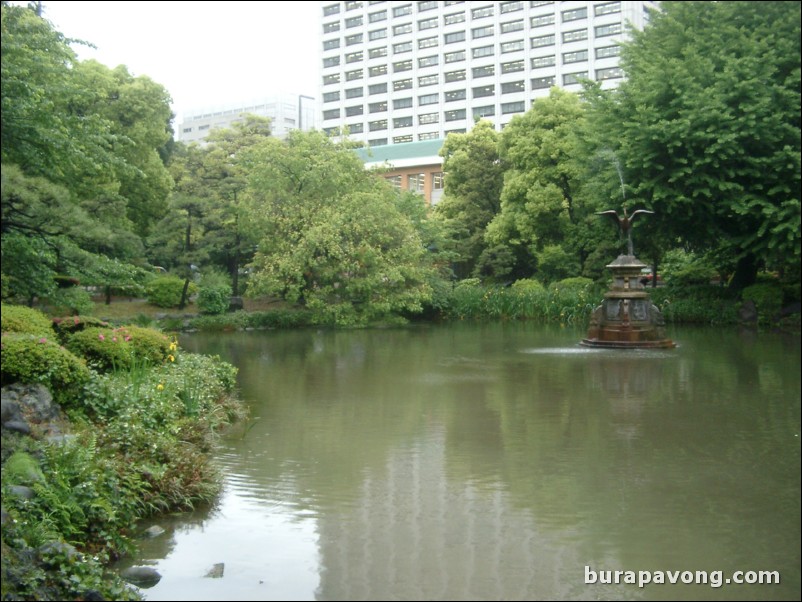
<point>575,14</point>
<point>608,30</point>
<point>331,27</point>
<point>512,67</point>
<point>510,7</point>
<point>573,78</point>
<point>541,41</point>
<point>377,16</point>
<point>544,61</point>
<point>427,24</point>
<point>377,88</point>
<point>539,83</point>
<point>511,26</point>
<point>331,44</point>
<point>376,53</point>
<point>428,80</point>
<point>487,111</point>
<point>402,47</point>
<point>378,107</point>
<point>483,91</point>
<point>428,136</point>
<point>453,38</point>
<point>331,61</point>
<point>428,99</point>
<point>353,22</point>
<point>334,78</point>
<point>331,97</point>
<point>402,139</point>
<point>377,142</point>
<point>427,118</point>
<point>352,5</point>
<point>455,57</point>
<point>607,8</point>
<point>186,130</point>
<point>478,53</point>
<point>609,73</point>
<point>402,122</point>
<point>377,70</point>
<point>454,115</point>
<point>354,75</point>
<point>542,21</point>
<point>416,182</point>
<point>455,76</point>
<point>402,29</point>
<point>395,181</point>
<point>510,87</point>
<point>402,84</point>
<point>354,57</point>
<point>512,107</point>
<point>575,57</point>
<point>512,46</point>
<point>481,32</point>
<point>428,61</point>
<point>331,9</point>
<point>575,36</point>
<point>355,110</point>
<point>607,51</point>
<point>377,34</point>
<point>438,180</point>
<point>354,39</point>
<point>486,71</point>
<point>402,66</point>
<point>481,13</point>
<point>331,114</point>
<point>400,11</point>
<point>455,131</point>
<point>424,6</point>
<point>356,128</point>
<point>537,4</point>
<point>354,93</point>
<point>454,95</point>
<point>377,126</point>
<point>454,18</point>
<point>402,103</point>
<point>427,43</point>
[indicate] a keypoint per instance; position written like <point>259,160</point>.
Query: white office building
<point>401,71</point>
<point>286,112</point>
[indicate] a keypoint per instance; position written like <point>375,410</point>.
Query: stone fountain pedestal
<point>627,319</point>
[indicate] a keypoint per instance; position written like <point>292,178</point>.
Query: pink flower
<point>101,337</point>
<point>113,339</point>
<point>43,340</point>
<point>128,338</point>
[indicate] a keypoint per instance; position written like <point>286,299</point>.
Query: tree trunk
<point>183,302</point>
<point>745,273</point>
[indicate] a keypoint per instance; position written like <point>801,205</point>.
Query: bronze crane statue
<point>625,224</point>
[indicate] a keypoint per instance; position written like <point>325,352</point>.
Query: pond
<point>500,461</point>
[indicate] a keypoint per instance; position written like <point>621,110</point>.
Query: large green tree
<point>708,128</point>
<point>332,235</point>
<point>473,192</point>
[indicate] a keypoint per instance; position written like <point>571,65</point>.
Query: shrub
<point>148,344</point>
<point>18,318</point>
<point>166,291</point>
<point>30,359</point>
<point>67,326</point>
<point>768,298</point>
<point>214,294</point>
<point>102,348</point>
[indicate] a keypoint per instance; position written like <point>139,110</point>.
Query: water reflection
<point>496,462</point>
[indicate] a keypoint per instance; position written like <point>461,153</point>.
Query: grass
<point>123,308</point>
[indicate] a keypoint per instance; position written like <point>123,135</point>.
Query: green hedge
<point>18,318</point>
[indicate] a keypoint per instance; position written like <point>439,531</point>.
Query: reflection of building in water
<point>415,534</point>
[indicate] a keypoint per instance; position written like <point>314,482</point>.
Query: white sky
<point>204,53</point>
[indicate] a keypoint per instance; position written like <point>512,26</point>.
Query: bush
<point>214,295</point>
<point>30,359</point>
<point>148,344</point>
<point>118,348</point>
<point>18,318</point>
<point>768,298</point>
<point>67,326</point>
<point>166,291</point>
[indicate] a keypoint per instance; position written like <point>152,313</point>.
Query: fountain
<point>627,319</point>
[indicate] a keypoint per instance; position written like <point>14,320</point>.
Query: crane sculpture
<point>625,224</point>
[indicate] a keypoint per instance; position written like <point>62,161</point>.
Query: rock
<point>747,313</point>
<point>56,548</point>
<point>141,576</point>
<point>18,426</point>
<point>216,572</point>
<point>9,409</point>
<point>21,491</point>
<point>235,304</point>
<point>154,531</point>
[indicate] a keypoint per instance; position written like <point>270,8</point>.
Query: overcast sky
<point>205,53</point>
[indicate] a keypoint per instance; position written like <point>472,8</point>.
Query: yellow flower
<point>173,346</point>
<point>171,357</point>
<point>160,387</point>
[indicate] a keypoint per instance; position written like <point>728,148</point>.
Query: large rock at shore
<point>141,576</point>
<point>30,408</point>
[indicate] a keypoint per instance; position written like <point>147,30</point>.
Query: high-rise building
<point>286,112</point>
<point>401,71</point>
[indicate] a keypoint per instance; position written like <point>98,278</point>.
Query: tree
<point>708,126</point>
<point>331,235</point>
<point>472,197</point>
<point>541,204</point>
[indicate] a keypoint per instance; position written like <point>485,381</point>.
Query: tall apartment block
<point>401,71</point>
<point>286,112</point>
